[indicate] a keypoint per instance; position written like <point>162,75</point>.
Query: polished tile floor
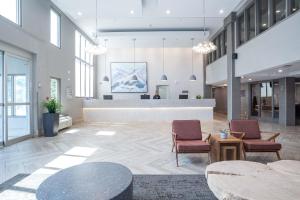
<point>145,148</point>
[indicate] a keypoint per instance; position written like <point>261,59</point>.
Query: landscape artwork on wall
<point>121,77</point>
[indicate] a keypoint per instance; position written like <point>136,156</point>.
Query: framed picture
<point>121,77</point>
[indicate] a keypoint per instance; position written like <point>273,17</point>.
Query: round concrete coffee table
<point>93,181</point>
<point>237,180</point>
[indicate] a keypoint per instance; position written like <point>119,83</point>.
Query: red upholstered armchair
<point>249,132</point>
<point>187,138</point>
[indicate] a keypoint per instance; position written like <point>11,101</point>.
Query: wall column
<point>287,101</point>
<point>233,83</point>
<point>207,89</point>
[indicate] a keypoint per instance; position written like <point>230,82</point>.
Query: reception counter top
<point>147,110</point>
<point>150,103</point>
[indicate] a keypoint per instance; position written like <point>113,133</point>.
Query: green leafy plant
<point>52,105</point>
<point>198,97</point>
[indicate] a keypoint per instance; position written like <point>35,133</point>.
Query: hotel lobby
<point>149,99</point>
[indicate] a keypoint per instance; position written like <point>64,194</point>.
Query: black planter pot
<point>50,124</point>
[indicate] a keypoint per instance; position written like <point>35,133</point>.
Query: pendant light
<point>105,78</point>
<point>193,76</point>
<point>96,49</point>
<point>164,76</point>
<point>134,77</point>
<point>205,47</point>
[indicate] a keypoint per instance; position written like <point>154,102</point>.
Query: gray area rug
<point>152,187</point>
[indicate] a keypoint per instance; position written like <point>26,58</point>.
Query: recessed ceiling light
<point>242,77</point>
<point>132,12</point>
<point>79,13</point>
<point>280,70</point>
<point>294,9</point>
<point>264,25</point>
<point>250,79</point>
<point>168,12</point>
<point>221,11</point>
<point>278,11</point>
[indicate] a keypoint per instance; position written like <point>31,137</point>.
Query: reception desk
<point>147,110</point>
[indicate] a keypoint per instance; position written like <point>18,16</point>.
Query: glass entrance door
<point>17,101</point>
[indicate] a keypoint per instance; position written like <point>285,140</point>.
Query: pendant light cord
<point>134,55</point>
<point>96,20</point>
<point>204,20</point>
<point>192,56</point>
<point>164,55</point>
<point>105,55</point>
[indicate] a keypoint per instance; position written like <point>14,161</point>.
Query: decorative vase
<point>223,135</point>
<point>50,124</point>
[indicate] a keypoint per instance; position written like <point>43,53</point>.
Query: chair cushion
<point>261,146</point>
<point>187,129</point>
<point>249,127</point>
<point>192,146</point>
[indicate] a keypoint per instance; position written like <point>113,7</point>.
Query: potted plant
<point>51,119</point>
<point>198,97</point>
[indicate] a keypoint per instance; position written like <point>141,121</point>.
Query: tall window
<point>250,14</point>
<point>225,41</point>
<point>279,10</point>
<point>55,88</point>
<point>263,6</point>
<point>55,28</point>
<point>84,69</point>
<point>241,29</point>
<point>10,9</point>
<point>16,93</point>
<point>295,5</point>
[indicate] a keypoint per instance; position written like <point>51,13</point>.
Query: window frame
<point>58,99</point>
<point>13,94</point>
<point>84,61</point>
<point>59,28</point>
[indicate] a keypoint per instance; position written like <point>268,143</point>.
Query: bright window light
<point>106,133</point>
<point>54,28</point>
<point>81,151</point>
<point>84,69</point>
<point>10,9</point>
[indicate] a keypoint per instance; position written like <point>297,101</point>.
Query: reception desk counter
<point>147,110</point>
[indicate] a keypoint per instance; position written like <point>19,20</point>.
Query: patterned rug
<point>145,187</point>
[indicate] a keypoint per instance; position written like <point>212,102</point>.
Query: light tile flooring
<point>145,148</point>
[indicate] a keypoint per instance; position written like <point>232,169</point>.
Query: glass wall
<point>266,100</point>
<point>250,20</point>
<point>241,29</point>
<point>279,7</point>
<point>295,5</point>
<point>263,7</point>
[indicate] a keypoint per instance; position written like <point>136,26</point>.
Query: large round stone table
<point>236,180</point>
<point>92,181</point>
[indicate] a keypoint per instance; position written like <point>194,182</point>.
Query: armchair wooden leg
<point>173,145</point>
<point>278,155</point>
<point>209,158</point>
<point>244,152</point>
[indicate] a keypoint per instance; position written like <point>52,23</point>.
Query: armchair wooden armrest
<point>207,138</point>
<point>238,135</point>
<point>273,137</point>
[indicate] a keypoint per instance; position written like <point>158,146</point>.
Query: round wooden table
<point>92,181</point>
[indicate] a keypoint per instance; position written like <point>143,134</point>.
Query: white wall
<point>177,67</point>
<point>275,47</point>
<point>49,61</point>
<point>216,72</point>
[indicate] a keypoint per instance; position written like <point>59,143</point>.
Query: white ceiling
<point>116,22</point>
